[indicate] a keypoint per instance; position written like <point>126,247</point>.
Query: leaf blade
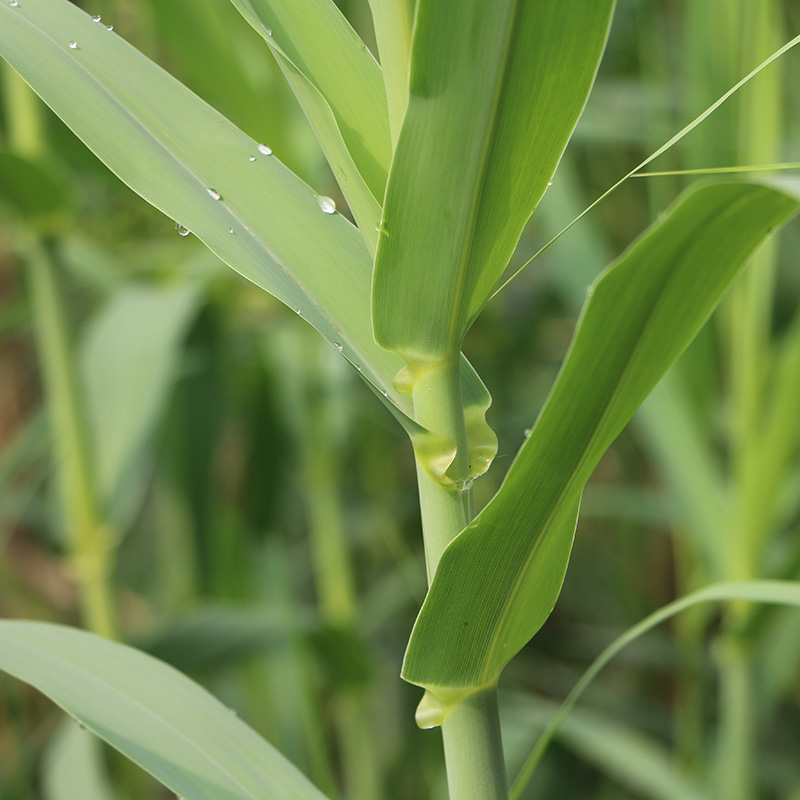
<point>495,91</point>
<point>131,113</point>
<point>154,715</point>
<point>643,312</point>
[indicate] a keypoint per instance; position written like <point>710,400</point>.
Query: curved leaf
<point>499,579</point>
<point>173,149</point>
<point>495,92</point>
<point>157,717</point>
<point>773,592</point>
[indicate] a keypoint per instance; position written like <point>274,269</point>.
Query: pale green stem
<point>473,749</point>
<point>88,537</point>
<point>471,733</point>
<point>754,29</point>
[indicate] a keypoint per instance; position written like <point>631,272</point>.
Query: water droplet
<point>550,183</point>
<point>109,27</point>
<point>181,229</point>
<point>233,712</point>
<point>264,149</point>
<point>252,158</point>
<point>231,231</point>
<point>384,393</point>
<point>358,368</point>
<point>338,346</point>
<point>528,432</point>
<point>464,485</point>
<point>13,3</point>
<point>327,204</point>
<point>214,194</point>
<point>73,45</point>
<point>298,312</point>
<point>268,31</point>
<point>96,18</point>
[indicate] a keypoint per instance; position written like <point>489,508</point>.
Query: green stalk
<point>89,538</point>
<point>471,732</point>
<point>754,28</point>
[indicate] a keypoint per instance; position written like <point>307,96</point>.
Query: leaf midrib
<point>454,335</point>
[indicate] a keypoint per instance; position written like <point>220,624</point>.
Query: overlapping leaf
<point>495,92</point>
<point>157,717</point>
<point>340,87</point>
<point>195,166</point>
<point>499,579</point>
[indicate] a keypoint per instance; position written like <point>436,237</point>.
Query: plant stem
<point>473,749</point>
<point>89,539</point>
<point>471,732</point>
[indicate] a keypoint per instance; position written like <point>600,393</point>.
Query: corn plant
<point>442,153</point>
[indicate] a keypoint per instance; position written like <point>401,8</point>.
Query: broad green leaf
<point>129,359</point>
<point>73,766</point>
<point>157,717</point>
<point>340,87</point>
<point>495,90</point>
<point>783,593</point>
<point>174,150</point>
<point>499,579</point>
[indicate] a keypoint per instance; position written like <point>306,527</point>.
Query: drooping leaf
<point>633,758</point>
<point>340,87</point>
<point>783,593</point>
<point>179,154</point>
<point>173,149</point>
<point>150,712</point>
<point>495,90</point>
<point>499,579</point>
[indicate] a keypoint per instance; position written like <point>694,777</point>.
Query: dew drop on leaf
<point>252,158</point>
<point>327,204</point>
<point>96,18</point>
<point>73,45</point>
<point>13,3</point>
<point>339,347</point>
<point>181,229</point>
<point>214,194</point>
<point>109,27</point>
<point>264,149</point>
<point>231,231</point>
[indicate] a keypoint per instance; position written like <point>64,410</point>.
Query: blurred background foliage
<point>178,449</point>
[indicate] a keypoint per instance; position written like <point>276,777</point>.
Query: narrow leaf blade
<point>340,87</point>
<point>173,149</point>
